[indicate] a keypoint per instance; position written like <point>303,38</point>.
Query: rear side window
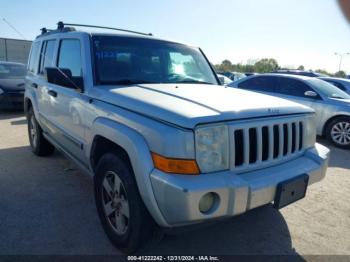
<point>292,87</point>
<point>69,56</point>
<point>12,71</point>
<point>47,53</point>
<point>34,58</point>
<point>259,83</point>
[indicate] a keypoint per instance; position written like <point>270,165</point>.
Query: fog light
<point>208,202</point>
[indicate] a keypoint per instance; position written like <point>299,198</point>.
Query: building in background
<point>14,50</point>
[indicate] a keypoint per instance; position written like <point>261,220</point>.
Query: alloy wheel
<point>115,203</point>
<point>340,133</point>
<point>33,130</point>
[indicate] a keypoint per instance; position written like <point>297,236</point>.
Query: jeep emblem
<point>273,111</point>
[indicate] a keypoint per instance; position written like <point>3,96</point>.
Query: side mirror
<point>63,77</point>
<point>311,94</point>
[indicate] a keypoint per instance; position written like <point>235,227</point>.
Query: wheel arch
<point>108,135</point>
<point>324,129</point>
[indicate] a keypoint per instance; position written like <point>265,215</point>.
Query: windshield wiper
<point>194,82</point>
<point>126,82</point>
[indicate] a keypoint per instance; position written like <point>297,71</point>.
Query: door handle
<point>52,93</point>
<point>34,85</point>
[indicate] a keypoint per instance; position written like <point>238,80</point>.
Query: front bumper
<point>12,100</point>
<point>178,196</point>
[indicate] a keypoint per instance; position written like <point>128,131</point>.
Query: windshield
<point>328,89</point>
<point>130,60</point>
<point>12,71</point>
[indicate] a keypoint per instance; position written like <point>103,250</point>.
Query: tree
<point>301,67</point>
<point>322,71</point>
<point>340,73</point>
<point>225,66</point>
<point>266,65</point>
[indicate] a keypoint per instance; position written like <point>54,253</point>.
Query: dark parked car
<point>299,72</point>
<point>12,85</point>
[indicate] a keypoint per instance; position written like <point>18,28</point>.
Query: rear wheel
<point>40,146</point>
<point>338,132</point>
<point>122,212</point>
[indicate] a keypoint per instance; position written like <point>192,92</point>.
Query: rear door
<point>294,89</point>
<point>46,57</point>
<point>66,103</point>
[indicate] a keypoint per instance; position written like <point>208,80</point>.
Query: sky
<point>295,32</point>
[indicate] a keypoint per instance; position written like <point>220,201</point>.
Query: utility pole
<point>341,58</point>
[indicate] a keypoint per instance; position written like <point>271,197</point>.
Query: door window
<point>292,87</point>
<point>69,56</point>
<point>260,83</point>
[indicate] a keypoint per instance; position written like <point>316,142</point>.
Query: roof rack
<point>61,25</point>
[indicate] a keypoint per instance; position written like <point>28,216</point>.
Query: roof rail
<point>61,25</point>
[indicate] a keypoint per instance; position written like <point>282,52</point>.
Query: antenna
<point>18,32</point>
<point>60,26</point>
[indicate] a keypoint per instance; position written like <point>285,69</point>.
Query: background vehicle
<point>234,76</point>
<point>250,73</point>
<point>12,85</point>
<point>224,80</point>
<point>332,105</point>
<point>341,83</point>
<point>166,144</point>
<point>299,72</point>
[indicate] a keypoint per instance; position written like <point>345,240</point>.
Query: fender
<point>136,147</point>
<point>30,95</point>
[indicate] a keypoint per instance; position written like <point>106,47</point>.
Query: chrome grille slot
<point>238,147</point>
<point>267,143</point>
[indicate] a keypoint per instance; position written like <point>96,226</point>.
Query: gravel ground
<point>47,207</point>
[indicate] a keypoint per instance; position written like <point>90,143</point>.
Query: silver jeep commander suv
<point>165,143</point>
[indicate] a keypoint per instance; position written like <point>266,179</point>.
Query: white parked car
<point>332,105</point>
<point>224,80</point>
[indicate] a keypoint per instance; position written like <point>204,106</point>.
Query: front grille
<point>264,143</point>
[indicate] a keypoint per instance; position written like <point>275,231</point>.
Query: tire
<point>39,145</point>
<point>338,132</point>
<point>125,219</point>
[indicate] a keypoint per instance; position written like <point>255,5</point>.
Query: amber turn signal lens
<point>178,166</point>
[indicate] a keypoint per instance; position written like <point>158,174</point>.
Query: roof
<point>92,33</point>
<point>301,77</point>
<point>129,35</point>
<point>335,78</point>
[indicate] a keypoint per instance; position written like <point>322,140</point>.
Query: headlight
<point>1,91</point>
<point>212,148</point>
<point>310,131</point>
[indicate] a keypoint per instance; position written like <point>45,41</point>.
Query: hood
<point>16,84</point>
<point>188,105</point>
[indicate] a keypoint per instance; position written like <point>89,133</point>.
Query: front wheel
<point>122,212</point>
<point>338,132</point>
